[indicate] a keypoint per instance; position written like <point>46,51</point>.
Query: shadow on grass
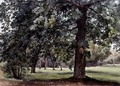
<point>85,82</point>
<point>59,82</point>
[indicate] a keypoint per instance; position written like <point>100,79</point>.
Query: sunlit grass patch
<point>50,70</point>
<point>104,73</point>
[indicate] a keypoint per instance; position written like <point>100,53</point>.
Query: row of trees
<point>31,37</point>
<point>47,28</point>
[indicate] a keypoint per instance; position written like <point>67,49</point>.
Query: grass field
<point>100,73</point>
<point>49,73</point>
<point>104,73</point>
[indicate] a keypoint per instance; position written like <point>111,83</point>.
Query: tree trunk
<point>70,67</point>
<point>45,63</point>
<point>14,72</point>
<point>33,66</point>
<point>53,65</point>
<point>34,61</point>
<point>60,64</point>
<point>40,63</point>
<point>61,68</point>
<point>79,68</point>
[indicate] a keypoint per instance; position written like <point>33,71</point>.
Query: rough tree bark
<point>79,68</point>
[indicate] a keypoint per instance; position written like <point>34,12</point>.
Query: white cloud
<point>1,1</point>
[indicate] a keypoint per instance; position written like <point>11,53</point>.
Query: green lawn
<point>104,73</point>
<point>49,73</point>
<point>100,73</point>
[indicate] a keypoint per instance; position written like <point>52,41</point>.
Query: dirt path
<point>12,83</point>
<point>1,74</point>
<point>56,83</point>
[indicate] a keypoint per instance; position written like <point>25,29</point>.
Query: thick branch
<point>78,5</point>
<point>83,6</point>
<point>90,3</point>
<point>93,3</point>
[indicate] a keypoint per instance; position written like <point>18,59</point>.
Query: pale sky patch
<point>0,23</point>
<point>1,1</point>
<point>0,28</point>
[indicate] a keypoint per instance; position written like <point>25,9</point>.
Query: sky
<point>0,28</point>
<point>0,23</point>
<point>1,1</point>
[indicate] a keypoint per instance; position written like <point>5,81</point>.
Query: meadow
<point>102,73</point>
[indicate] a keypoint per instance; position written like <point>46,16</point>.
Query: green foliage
<point>15,42</point>
<point>100,53</point>
<point>14,71</point>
